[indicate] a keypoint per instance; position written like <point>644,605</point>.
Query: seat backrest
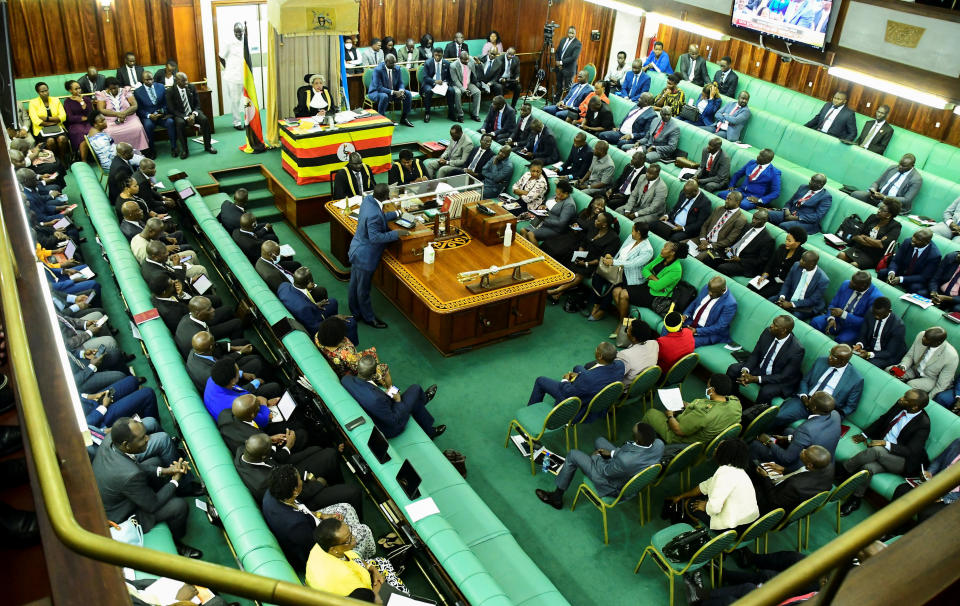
<point>806,508</point>
<point>759,424</point>
<point>714,546</point>
<point>562,414</point>
<point>727,434</point>
<point>644,382</point>
<point>762,526</point>
<point>604,399</point>
<point>683,459</point>
<point>638,482</point>
<point>849,486</point>
<point>366,77</point>
<point>683,367</point>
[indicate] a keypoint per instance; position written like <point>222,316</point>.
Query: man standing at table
<point>367,246</point>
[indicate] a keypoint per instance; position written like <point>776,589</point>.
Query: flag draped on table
<point>254,129</point>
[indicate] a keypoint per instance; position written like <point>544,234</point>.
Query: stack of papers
<point>922,302</point>
<point>758,282</point>
<point>549,173</point>
<point>287,251</point>
<point>671,399</point>
<point>345,116</point>
<point>440,89</point>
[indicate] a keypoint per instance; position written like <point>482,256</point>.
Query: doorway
<point>254,14</point>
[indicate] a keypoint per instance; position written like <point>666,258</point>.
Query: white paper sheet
<point>440,89</point>
<point>287,251</point>
<point>758,282</point>
<point>692,249</point>
<point>202,284</point>
<point>578,254</point>
<point>671,399</point>
<point>420,509</point>
<point>286,405</point>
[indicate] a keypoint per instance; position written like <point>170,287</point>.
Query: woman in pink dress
<point>120,110</point>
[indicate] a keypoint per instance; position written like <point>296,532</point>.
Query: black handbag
<point>672,512</point>
<point>682,547</point>
<point>689,113</point>
<point>849,228</point>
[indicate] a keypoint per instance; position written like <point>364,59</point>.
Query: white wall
<point>625,31</point>
<point>211,65</point>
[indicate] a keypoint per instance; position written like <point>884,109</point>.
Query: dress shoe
<point>18,528</point>
<point>237,127</point>
<point>475,118</point>
<point>190,489</point>
<point>431,392</point>
<point>552,498</point>
<point>852,504</point>
<point>459,119</point>
<point>189,552</point>
<point>10,439</point>
<point>438,431</point>
<point>175,153</point>
<point>377,323</point>
<point>406,122</point>
<point>426,119</point>
<point>209,150</point>
<point>141,380</point>
<point>13,472</point>
<point>184,155</point>
<point>128,358</point>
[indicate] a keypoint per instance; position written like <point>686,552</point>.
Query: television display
<point>803,21</point>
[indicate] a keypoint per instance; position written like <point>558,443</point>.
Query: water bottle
<point>508,235</point>
<point>429,254</point>
<point>545,467</point>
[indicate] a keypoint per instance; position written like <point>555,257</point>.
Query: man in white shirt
<point>231,74</point>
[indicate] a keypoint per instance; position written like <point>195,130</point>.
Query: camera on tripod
<point>548,30</point>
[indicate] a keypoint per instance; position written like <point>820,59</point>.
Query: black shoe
<point>438,431</point>
<point>431,392</point>
<point>175,153</point>
<point>236,127</point>
<point>426,119</point>
<point>10,439</point>
<point>209,150</point>
<point>406,122</point>
<point>184,155</point>
<point>189,552</point>
<point>14,472</point>
<point>743,558</point>
<point>377,323</point>
<point>459,119</point>
<point>550,498</point>
<point>190,489</point>
<point>852,504</point>
<point>19,528</point>
<point>128,358</point>
<point>475,118</point>
<point>141,380</point>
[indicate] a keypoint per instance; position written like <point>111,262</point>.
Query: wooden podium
<point>436,302</point>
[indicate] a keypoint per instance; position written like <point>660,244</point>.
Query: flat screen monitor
<point>802,21</point>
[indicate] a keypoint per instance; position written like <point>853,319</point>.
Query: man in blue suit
<point>386,85</point>
<point>761,182</point>
<point>583,382</point>
<point>635,83</point>
<point>310,305</point>
<point>710,314</point>
<point>729,122</point>
<point>578,92</point>
<point>914,264</point>
<point>152,111</point>
<point>848,308</point>
<point>367,246</point>
<point>802,291</point>
<point>390,413</point>
<point>822,428</point>
<point>807,207</point>
<point>435,72</point>
<point>834,375</point>
<point>836,119</point>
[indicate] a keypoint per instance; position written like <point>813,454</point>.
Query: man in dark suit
<point>508,78</point>
<point>202,316</point>
<point>802,291</point>
<point>500,120</point>
<point>541,145</point>
<point>143,489</point>
<point>309,303</point>
<point>714,170</point>
<point>774,364</point>
<point>836,119</point>
<point>578,159</point>
<point>170,304</point>
<point>387,85</point>
<point>237,423</point>
<point>120,170</point>
<point>478,158</point>
<point>130,74</point>
<point>688,215</point>
<point>582,382</point>
<point>157,202</point>
<point>820,427</point>
<point>92,81</point>
<point>454,48</point>
<point>232,210</point>
<point>488,70</point>
<point>896,443</point>
<point>390,413</point>
<point>160,263</point>
<point>876,133</point>
<point>726,78</point>
<point>435,72</point>
<point>831,374</point>
<point>901,183</point>
<point>806,208</point>
<point>788,491</point>
<point>353,179</point>
<point>634,125</point>
<point>369,241</point>
<point>206,351</point>
<point>944,286</point>
<point>598,118</point>
<point>631,175</point>
<point>915,263</point>
<point>565,58</point>
<point>521,133</point>
<point>152,110</point>
<point>269,267</point>
<point>132,223</point>
<point>570,105</point>
<point>881,338</point>
<point>184,104</point>
<point>691,66</point>
<point>257,457</point>
<point>248,238</point>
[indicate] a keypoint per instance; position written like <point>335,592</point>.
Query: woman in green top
<point>660,275</point>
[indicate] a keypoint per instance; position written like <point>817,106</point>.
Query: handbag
<point>457,459</point>
<point>689,113</point>
<point>611,274</point>
<point>849,228</point>
<point>684,162</point>
<point>129,531</point>
<point>682,547</point>
<point>672,512</point>
<point>623,338</point>
<point>887,257</point>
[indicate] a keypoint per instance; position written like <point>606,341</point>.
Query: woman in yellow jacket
<point>334,566</point>
<point>47,117</point>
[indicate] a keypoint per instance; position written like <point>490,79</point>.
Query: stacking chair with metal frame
<point>635,487</point>
<point>600,402</point>
<point>681,464</point>
<point>729,433</point>
<point>703,557</point>
<point>841,493</point>
<point>591,70</point>
<point>753,533</point>
<point>759,424</point>
<point>679,371</point>
<point>800,514</point>
<point>640,389</point>
<point>96,161</point>
<point>548,418</point>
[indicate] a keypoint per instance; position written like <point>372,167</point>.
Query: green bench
<point>475,549</point>
<point>255,546</point>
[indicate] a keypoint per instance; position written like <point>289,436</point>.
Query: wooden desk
<point>441,307</point>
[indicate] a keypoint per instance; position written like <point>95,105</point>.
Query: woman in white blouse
<point>531,188</point>
<point>731,501</point>
<point>314,99</point>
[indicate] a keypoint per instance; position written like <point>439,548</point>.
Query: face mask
<point>707,392</point>
<point>348,45</point>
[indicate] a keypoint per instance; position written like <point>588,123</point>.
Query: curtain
<point>272,138</point>
<point>306,54</point>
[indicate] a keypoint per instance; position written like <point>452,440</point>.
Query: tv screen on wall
<point>803,21</point>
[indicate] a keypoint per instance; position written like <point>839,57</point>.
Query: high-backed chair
<point>545,417</point>
<point>703,556</point>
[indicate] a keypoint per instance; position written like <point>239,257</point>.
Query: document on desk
<point>421,508</point>
<point>440,89</point>
<point>671,399</point>
<point>758,282</point>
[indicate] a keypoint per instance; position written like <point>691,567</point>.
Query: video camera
<point>548,30</point>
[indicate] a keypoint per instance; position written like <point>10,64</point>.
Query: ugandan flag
<point>254,129</point>
<point>314,156</point>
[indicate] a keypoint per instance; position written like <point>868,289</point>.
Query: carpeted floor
<point>478,393</point>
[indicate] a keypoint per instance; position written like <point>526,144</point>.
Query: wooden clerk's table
<point>431,297</point>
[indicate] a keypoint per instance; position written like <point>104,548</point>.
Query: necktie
<point>735,108</point>
<point>804,198</point>
<point>466,74</point>
<point>873,133</point>
<point>699,314</point>
<point>636,81</point>
<point>646,187</point>
<point>186,104</point>
<point>390,78</point>
<point>499,115</point>
<point>913,262</point>
<point>486,70</point>
<point>801,288</point>
<point>768,357</point>
<point>562,49</point>
<point>131,75</point>
<point>852,301</point>
<point>896,420</point>
<point>825,380</point>
<point>889,185</point>
<point>712,236</point>
<point>951,286</point>
<point>659,130</point>
<point>629,180</point>
<point>536,143</point>
<point>476,159</point>
<point>828,120</point>
<point>876,333</point>
<point>152,94</point>
<point>755,172</point>
<point>710,161</point>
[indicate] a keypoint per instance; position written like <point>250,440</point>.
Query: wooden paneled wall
<point>64,36</point>
<point>520,23</point>
<point>813,80</point>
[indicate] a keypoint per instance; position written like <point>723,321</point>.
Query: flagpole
<point>343,75</point>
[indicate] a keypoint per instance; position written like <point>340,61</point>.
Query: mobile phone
<point>355,423</point>
<point>100,351</point>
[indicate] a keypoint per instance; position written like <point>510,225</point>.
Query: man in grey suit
<point>608,467</point>
<point>660,142</point>
<point>373,55</point>
<point>833,375</point>
<point>692,66</point>
<point>456,154</point>
<point>930,363</point>
<point>949,227</point>
<point>463,83</point>
<point>731,119</point>
<point>714,171</point>
<point>600,174</point>
<point>145,489</point>
<point>822,427</point>
<point>900,183</point>
<point>648,200</point>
